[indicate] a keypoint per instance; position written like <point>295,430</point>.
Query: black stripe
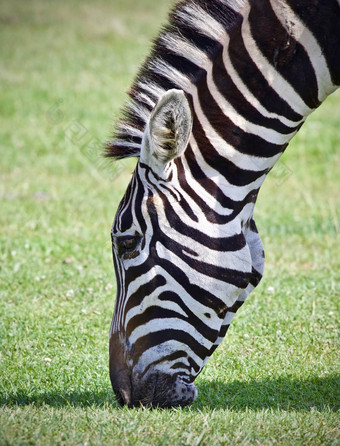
<point>195,321</point>
<point>322,18</point>
<point>201,295</point>
<point>183,203</point>
<point>123,219</point>
<point>211,187</point>
<point>255,81</point>
<point>144,290</point>
<point>181,64</point>
<point>235,175</point>
<point>221,12</point>
<point>118,275</point>
<point>237,278</point>
<point>223,332</point>
<point>138,204</point>
<point>210,214</point>
<point>255,278</point>
<point>181,30</point>
<point>156,312</point>
<point>152,340</point>
<point>253,226</point>
<point>231,276</point>
<point>231,244</point>
<point>243,142</point>
<point>283,52</point>
<point>172,356</point>
<point>238,304</point>
<point>228,89</point>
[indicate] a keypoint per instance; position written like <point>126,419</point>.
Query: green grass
<point>275,379</point>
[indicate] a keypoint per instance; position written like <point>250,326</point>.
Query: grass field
<point>275,379</point>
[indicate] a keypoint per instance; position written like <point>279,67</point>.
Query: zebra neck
<point>254,71</point>
<point>268,76</point>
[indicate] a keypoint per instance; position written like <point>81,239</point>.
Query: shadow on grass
<point>283,393</point>
<point>87,398</point>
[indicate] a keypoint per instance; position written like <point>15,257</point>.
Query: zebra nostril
<point>123,396</point>
<point>126,395</point>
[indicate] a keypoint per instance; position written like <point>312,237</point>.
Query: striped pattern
<point>252,72</point>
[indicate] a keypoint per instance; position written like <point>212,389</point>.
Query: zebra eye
<point>127,246</point>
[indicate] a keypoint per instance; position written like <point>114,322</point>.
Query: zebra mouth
<point>157,390</point>
<point>171,391</point>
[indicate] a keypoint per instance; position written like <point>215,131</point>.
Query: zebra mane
<point>190,38</point>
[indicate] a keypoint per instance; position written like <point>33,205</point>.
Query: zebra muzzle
<point>153,389</point>
<point>158,390</point>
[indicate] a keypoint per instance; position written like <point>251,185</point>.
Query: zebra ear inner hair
<point>168,131</point>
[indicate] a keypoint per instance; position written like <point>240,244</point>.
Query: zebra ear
<point>168,131</point>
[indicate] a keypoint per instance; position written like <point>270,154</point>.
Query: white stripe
<point>224,291</point>
<point>238,193</point>
<point>194,305</point>
<point>152,300</point>
<point>228,318</point>
<point>152,88</point>
<point>172,323</point>
<point>238,260</point>
<point>230,227</point>
<point>140,110</point>
<point>166,366</point>
<point>199,19</point>
<point>197,211</point>
<point>161,350</point>
<point>236,5</point>
<point>117,316</point>
<point>145,98</point>
<point>130,130</point>
<point>209,199</point>
<point>245,293</point>
<point>127,204</point>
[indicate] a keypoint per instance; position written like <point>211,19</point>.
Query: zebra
<point>227,85</point>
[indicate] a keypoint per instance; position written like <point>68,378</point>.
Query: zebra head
<point>179,271</point>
